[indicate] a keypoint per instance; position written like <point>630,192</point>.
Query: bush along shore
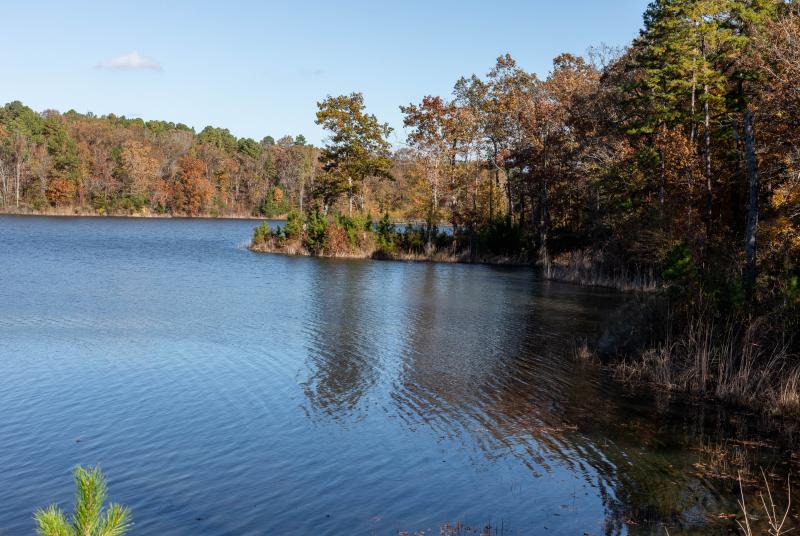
<point>359,237</point>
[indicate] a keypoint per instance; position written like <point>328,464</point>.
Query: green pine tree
<point>90,518</point>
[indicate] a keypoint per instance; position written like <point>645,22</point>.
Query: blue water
<point>228,392</point>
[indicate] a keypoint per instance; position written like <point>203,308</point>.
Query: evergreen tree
<point>357,148</point>
<point>90,517</point>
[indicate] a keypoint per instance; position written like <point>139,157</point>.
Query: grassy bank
<point>738,357</point>
<point>743,361</point>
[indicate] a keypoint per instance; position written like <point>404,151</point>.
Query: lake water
<point>226,393</point>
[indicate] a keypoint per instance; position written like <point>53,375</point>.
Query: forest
<point>672,163</point>
<point>84,164</point>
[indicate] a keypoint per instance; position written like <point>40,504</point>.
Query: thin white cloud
<point>133,61</point>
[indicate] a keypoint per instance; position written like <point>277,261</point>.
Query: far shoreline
<point>65,214</point>
<point>154,216</point>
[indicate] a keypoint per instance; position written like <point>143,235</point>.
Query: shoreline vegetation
<point>741,362</point>
<point>359,238</point>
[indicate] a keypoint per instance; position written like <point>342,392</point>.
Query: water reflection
<point>487,361</point>
<point>342,353</point>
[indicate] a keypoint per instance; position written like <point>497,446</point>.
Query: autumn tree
<point>193,192</point>
<point>775,62</point>
<point>356,150</point>
<point>64,172</point>
<point>471,97</point>
<point>139,169</point>
<point>22,129</point>
<point>432,138</point>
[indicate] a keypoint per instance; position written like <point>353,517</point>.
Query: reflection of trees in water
<point>515,389</point>
<point>341,355</point>
<point>488,360</point>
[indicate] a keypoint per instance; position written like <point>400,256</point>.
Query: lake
<point>226,392</point>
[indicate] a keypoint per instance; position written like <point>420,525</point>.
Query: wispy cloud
<point>133,61</point>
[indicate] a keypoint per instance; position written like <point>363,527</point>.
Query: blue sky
<point>259,68</point>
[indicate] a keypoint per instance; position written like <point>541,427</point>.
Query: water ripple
<point>226,392</point>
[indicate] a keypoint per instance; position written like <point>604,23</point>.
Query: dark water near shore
<point>227,392</point>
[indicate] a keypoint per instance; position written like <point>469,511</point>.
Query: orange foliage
<point>60,192</point>
<point>141,167</point>
<point>193,192</point>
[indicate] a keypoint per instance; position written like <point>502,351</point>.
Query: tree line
<point>679,152</point>
<point>684,145</point>
<point>116,165</point>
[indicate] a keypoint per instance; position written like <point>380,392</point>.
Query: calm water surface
<point>226,393</point>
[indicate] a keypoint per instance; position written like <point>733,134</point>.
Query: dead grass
<point>449,255</point>
<point>728,461</point>
<point>736,361</point>
<point>589,269</point>
<point>583,354</point>
<point>773,519</point>
<point>788,399</point>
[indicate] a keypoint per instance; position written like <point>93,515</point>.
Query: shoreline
<point>137,216</point>
<point>560,272</point>
<point>85,214</point>
<point>295,249</point>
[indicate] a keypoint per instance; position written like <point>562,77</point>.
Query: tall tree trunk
<point>475,197</point>
<point>543,219</point>
<point>496,183</point>
<point>662,180</point>
<point>17,173</point>
<point>752,203</point>
<point>3,184</point>
<point>690,168</point>
<point>302,195</point>
<point>707,153</point>
<point>434,206</point>
<point>693,130</point>
<point>543,215</point>
<point>707,165</point>
<point>492,183</point>
<point>350,197</point>
<point>509,203</point>
<point>435,196</point>
<point>740,179</point>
